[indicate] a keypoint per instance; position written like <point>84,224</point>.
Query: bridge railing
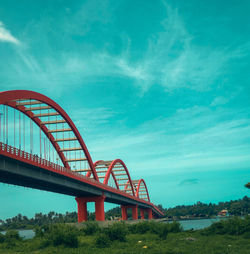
<point>18,153</point>
<point>35,159</point>
<point>30,157</point>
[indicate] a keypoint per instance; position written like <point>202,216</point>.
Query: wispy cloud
<point>92,117</point>
<point>171,58</point>
<point>189,181</point>
<point>5,35</point>
<point>174,61</point>
<point>201,141</point>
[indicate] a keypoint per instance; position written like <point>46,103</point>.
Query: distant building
<point>223,213</point>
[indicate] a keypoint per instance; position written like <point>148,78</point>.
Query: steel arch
<point>110,170</point>
<point>138,184</point>
<point>12,98</point>
<point>105,169</point>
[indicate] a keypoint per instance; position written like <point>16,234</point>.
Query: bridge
<point>41,148</point>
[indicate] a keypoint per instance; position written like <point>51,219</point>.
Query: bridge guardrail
<point>18,153</point>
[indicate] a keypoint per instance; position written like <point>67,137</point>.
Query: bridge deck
<point>26,170</point>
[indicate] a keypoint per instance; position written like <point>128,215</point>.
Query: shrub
<point>91,228</point>
<point>44,243</point>
<point>2,238</point>
<point>175,227</point>
<point>12,235</point>
<point>246,235</point>
<point>102,241</point>
<point>155,227</point>
<point>117,231</point>
<point>62,235</point>
<point>132,228</point>
<point>163,231</point>
<point>142,227</point>
<point>232,226</point>
<point>158,228</point>
<point>39,231</point>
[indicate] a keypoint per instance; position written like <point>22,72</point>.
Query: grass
<point>175,243</point>
<point>143,238</point>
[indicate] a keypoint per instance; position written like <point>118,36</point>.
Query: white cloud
<point>92,117</point>
<point>197,141</point>
<point>6,35</point>
<point>220,100</point>
<point>171,59</point>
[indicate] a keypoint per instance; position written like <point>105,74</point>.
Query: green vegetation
<point>247,185</point>
<point>229,236</point>
<point>117,231</point>
<point>91,228</point>
<point>232,226</point>
<point>23,222</point>
<point>236,208</point>
<point>59,234</point>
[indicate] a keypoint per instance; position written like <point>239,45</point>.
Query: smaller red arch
<point>102,163</point>
<point>141,181</point>
<point>107,176</point>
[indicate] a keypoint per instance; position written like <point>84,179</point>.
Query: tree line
<point>235,207</point>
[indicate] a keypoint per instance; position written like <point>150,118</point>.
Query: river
<point>198,224</point>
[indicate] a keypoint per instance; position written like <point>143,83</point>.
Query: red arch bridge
<point>40,147</point>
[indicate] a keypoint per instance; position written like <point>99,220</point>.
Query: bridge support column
<point>99,209</point>
<point>135,212</point>
<point>142,214</point>
<point>150,214</point>
<point>124,212</point>
<point>82,209</point>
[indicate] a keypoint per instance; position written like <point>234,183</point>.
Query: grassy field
<point>141,238</point>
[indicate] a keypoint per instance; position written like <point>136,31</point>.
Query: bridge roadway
<point>16,170</point>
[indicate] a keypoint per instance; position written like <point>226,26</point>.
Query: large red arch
<point>9,98</point>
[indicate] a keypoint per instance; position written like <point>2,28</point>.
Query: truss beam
<point>65,139</point>
<point>47,114</point>
<point>77,159</point>
<point>53,122</point>
<point>70,149</point>
<point>59,130</point>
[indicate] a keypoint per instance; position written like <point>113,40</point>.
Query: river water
<point>186,224</point>
<point>25,233</point>
<point>198,224</point>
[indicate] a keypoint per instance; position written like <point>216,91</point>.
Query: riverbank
<point>229,236</point>
<point>186,225</point>
<point>176,243</point>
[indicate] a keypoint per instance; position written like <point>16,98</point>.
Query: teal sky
<point>163,85</point>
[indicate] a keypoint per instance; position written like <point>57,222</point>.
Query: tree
<point>247,185</point>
